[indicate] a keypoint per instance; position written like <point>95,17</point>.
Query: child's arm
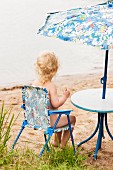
<point>55,100</point>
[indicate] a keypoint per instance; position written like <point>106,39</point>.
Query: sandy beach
<point>85,125</point>
<point>81,68</point>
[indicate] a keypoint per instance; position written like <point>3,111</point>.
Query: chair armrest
<point>60,112</point>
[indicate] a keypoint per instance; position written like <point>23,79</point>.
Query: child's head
<point>46,66</point>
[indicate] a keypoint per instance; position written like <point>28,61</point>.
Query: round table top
<point>91,100</point>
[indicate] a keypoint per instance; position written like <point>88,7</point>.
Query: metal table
<point>91,100</point>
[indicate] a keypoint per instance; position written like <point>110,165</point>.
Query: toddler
<point>46,67</point>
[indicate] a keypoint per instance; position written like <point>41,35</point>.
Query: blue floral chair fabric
<point>36,107</point>
<point>37,114</point>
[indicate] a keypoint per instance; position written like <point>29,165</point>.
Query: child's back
<point>46,67</point>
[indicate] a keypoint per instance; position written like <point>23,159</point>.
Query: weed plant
<point>6,122</point>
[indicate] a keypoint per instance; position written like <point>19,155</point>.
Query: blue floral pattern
<point>91,25</point>
<point>36,103</point>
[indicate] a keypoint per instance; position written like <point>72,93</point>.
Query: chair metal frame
<point>50,130</point>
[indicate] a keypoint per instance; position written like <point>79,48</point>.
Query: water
<point>20,44</point>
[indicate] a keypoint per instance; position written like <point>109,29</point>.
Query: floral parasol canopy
<point>91,25</point>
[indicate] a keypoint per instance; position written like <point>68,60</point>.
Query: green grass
<point>6,123</point>
<point>56,159</point>
<point>27,159</point>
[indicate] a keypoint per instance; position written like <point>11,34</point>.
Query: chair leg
<point>22,128</point>
<point>71,134</point>
<point>45,145</point>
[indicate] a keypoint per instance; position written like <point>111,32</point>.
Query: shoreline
<point>57,78</point>
<point>12,95</point>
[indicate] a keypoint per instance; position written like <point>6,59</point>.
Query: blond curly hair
<point>46,66</point>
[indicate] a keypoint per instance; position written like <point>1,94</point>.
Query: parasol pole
<point>104,79</point>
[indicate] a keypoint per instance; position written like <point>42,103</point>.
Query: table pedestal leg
<point>93,134</point>
<point>106,125</point>
<point>100,127</point>
<point>100,134</point>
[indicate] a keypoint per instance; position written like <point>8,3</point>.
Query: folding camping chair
<point>37,114</point>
